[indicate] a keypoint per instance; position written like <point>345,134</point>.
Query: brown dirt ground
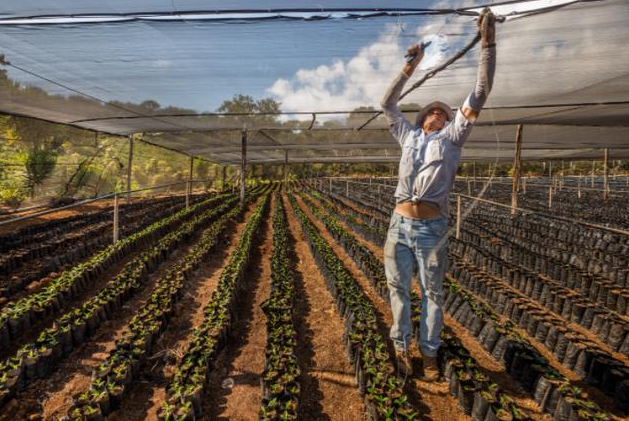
<point>147,396</point>
<point>329,390</point>
<point>433,400</point>
<point>242,361</point>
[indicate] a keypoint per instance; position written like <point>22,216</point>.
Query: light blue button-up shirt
<point>428,163</point>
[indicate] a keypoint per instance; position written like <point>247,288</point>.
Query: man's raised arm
<point>397,122</point>
<point>486,67</point>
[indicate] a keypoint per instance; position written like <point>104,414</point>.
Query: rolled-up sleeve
<point>459,129</point>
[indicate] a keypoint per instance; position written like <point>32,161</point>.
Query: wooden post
<point>116,219</point>
<point>285,168</point>
<point>330,184</point>
<point>458,216</point>
<point>189,183</point>
<point>243,168</point>
<point>347,187</point>
<point>129,166</point>
<point>469,187</point>
<point>606,175</point>
<point>550,197</point>
<point>579,188</point>
<point>517,166</point>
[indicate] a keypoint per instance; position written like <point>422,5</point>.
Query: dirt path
<point>147,396</point>
<point>328,385</point>
<point>235,392</point>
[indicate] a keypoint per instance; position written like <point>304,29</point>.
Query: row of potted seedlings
<point>581,286</point>
<point>113,377</point>
<point>280,386</point>
<point>17,317</point>
<point>554,393</point>
<point>53,254</point>
<point>572,348</point>
<point>590,249</point>
<point>38,358</point>
<point>476,394</point>
<point>184,396</point>
<point>371,232</point>
<point>367,350</point>
<point>570,305</point>
<point>358,252</point>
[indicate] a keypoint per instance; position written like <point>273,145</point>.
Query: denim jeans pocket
<point>438,227</point>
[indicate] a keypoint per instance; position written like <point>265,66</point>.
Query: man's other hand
<point>417,51</point>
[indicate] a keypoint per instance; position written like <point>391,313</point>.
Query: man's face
<point>434,120</point>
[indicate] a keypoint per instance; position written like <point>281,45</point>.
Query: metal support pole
<point>469,187</point>
<point>606,175</point>
<point>346,187</point>
<point>550,197</point>
<point>524,185</point>
<point>223,181</point>
<point>579,188</point>
<point>592,180</point>
<point>129,166</point>
<point>458,216</point>
<point>517,166</point>
<point>187,194</point>
<point>330,184</point>
<point>116,219</point>
<point>243,168</point>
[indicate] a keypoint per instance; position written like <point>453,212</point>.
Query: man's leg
<point>431,247</point>
<point>398,265</point>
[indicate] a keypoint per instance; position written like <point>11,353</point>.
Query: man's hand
<point>487,27</point>
<point>416,50</point>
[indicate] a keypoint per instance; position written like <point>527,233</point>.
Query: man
<point>417,237</point>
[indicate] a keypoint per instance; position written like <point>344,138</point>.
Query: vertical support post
<point>379,196</point>
<point>243,168</point>
<point>524,185</point>
<point>550,197</point>
<point>129,166</point>
<point>116,219</point>
<point>592,179</point>
<point>347,187</point>
<point>579,188</point>
<point>550,170</point>
<point>606,175</point>
<point>224,175</point>
<point>458,216</point>
<point>469,187</point>
<point>189,182</point>
<point>330,184</point>
<point>285,168</point>
<point>517,165</point>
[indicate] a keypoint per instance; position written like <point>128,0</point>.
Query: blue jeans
<point>416,244</point>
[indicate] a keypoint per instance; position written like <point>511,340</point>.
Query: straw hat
<point>435,104</point>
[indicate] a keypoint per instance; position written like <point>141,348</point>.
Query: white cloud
<point>361,81</point>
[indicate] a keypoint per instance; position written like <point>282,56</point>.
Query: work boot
<point>404,366</point>
<point>431,369</point>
